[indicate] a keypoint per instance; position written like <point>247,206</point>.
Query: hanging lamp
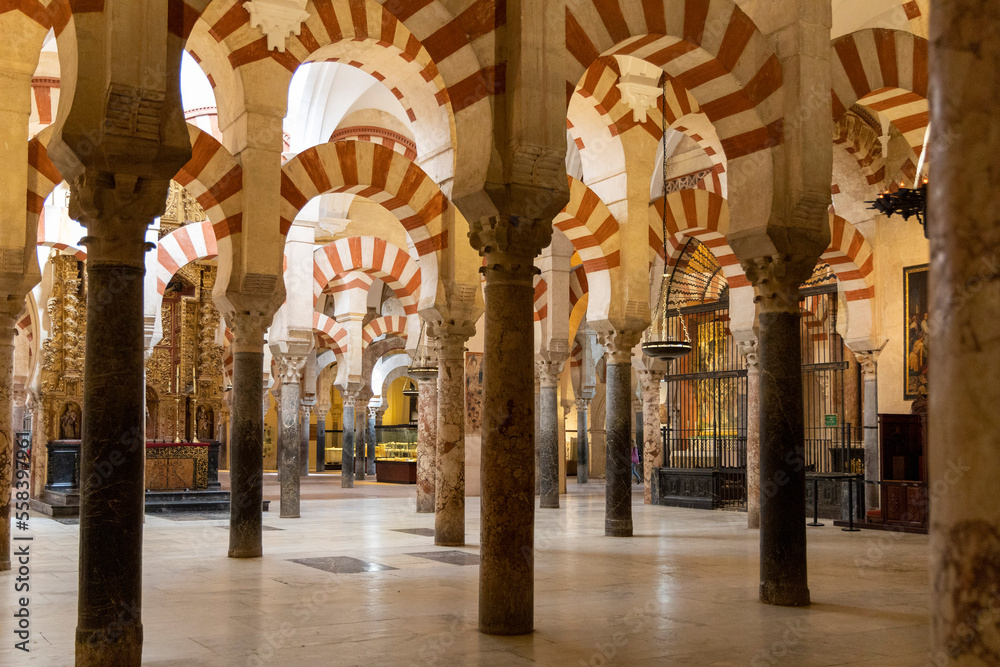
<point>660,342</point>
<point>423,367</point>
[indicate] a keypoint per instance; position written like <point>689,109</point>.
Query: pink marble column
<point>449,490</point>
<point>426,444</point>
<point>749,350</point>
<point>652,440</point>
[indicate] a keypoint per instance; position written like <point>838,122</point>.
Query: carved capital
<point>116,209</point>
<point>869,364</point>
<point>750,351</point>
<point>451,337</point>
<point>776,280</point>
<point>290,369</point>
<point>582,403</point>
<point>549,372</point>
<point>248,330</point>
<point>618,345</point>
<point>510,244</point>
<point>350,397</point>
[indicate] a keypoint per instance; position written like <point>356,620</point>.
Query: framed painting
<point>917,331</point>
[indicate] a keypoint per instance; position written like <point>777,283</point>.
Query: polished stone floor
<point>354,582</point>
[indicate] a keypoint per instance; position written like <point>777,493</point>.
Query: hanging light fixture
<point>423,366</point>
<point>411,389</point>
<point>661,341</point>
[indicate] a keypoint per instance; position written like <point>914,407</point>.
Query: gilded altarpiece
<point>63,351</point>
<point>184,370</point>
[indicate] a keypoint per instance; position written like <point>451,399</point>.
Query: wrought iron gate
<point>704,442</point>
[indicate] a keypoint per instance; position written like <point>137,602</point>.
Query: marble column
<point>548,448</point>
<point>652,446</point>
<point>7,428</point>
<point>321,441</point>
<point>370,440</point>
<point>306,407</point>
<point>869,375</point>
<point>506,573</point>
<point>749,350</point>
<point>776,280</point>
<point>289,469</point>
<point>246,454</point>
<point>360,440</point>
<point>618,489</point>
<point>350,399</point>
<point>582,448</point>
<point>113,433</point>
<point>426,444</point>
<point>449,487</point>
<point>964,228</point>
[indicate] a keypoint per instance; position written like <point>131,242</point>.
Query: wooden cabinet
<point>904,470</point>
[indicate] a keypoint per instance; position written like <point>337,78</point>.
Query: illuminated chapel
<point>469,332</point>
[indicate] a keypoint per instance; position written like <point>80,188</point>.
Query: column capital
<point>116,209</point>
<point>582,403</point>
<point>350,397</point>
<point>549,371</point>
<point>869,363</point>
<point>618,345</point>
<point>290,367</point>
<point>451,337</point>
<point>248,329</point>
<point>776,280</point>
<point>510,244</point>
<point>750,350</point>
<point>308,403</point>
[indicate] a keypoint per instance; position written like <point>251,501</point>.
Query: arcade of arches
<point>365,286</point>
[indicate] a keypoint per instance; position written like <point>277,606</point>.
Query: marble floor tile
<point>451,557</point>
<point>683,591</point>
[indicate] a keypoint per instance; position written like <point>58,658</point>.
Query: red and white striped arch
<point>377,135</point>
<point>852,259</point>
<point>701,215</point>
<point>215,179</point>
<point>539,302</point>
<point>379,174</point>
<point>373,256</point>
<point>330,335</point>
<point>425,52</point>
<point>713,49</point>
<point>593,231</point>
<point>182,246</point>
<point>578,286</point>
<point>885,70</point>
<point>392,325</point>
